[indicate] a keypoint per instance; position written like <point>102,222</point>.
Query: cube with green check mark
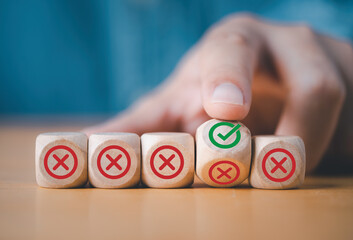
<point>223,153</point>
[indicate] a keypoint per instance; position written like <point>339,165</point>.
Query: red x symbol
<point>61,162</point>
<point>114,162</point>
<point>167,162</point>
<point>224,173</point>
<point>278,165</point>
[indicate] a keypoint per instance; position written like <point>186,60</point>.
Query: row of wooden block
<point>226,155</point>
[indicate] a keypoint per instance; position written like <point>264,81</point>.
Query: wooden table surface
<point>321,209</point>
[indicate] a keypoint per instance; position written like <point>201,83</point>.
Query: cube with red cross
<point>167,159</point>
<point>278,162</point>
<point>61,159</point>
<point>223,153</point>
<point>114,160</point>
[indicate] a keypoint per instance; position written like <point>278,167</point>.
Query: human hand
<point>294,79</point>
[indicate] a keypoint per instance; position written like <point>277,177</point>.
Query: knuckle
<point>326,87</point>
<point>244,17</point>
<point>241,18</point>
<point>349,50</point>
<point>234,28</point>
<point>230,36</point>
<point>227,31</point>
<point>304,30</point>
<point>237,38</point>
<point>334,92</point>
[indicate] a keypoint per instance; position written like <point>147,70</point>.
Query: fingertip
<point>226,111</point>
<point>226,101</point>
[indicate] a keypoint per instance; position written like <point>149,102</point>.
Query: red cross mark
<point>271,172</point>
<point>224,173</point>
<point>114,162</point>
<point>105,161</point>
<point>61,162</point>
<point>166,162</point>
<point>279,165</point>
<point>158,162</point>
<point>51,158</point>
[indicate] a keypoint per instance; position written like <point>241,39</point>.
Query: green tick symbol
<point>226,136</point>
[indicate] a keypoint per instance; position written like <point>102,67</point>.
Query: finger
<point>167,108</point>
<point>316,91</point>
<point>342,53</point>
<point>150,114</point>
<point>227,59</point>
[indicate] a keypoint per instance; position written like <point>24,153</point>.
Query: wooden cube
<point>114,160</point>
<point>223,153</point>
<point>278,162</point>
<point>61,159</point>
<point>167,160</point>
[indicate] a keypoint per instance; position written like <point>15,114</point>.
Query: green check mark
<point>225,137</point>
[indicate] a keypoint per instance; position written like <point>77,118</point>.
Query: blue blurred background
<point>96,57</point>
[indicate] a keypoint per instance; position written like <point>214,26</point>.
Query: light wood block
<point>61,159</point>
<point>223,153</point>
<point>114,160</point>
<point>167,159</point>
<point>278,162</point>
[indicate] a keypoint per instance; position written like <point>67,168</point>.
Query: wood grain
<point>61,159</point>
<point>114,160</point>
<point>167,159</point>
<point>223,153</point>
<point>278,162</point>
<point>322,208</point>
